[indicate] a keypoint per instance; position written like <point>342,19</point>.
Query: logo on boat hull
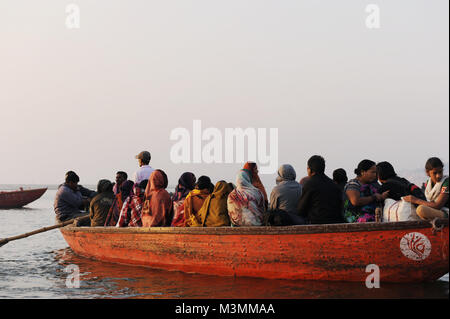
<point>415,246</point>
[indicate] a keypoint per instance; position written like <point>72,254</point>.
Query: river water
<point>37,267</point>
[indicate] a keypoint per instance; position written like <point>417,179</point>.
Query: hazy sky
<point>90,99</point>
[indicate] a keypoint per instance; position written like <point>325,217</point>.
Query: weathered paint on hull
<point>16,199</point>
<point>313,252</point>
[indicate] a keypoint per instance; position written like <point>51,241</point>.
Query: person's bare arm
<point>437,204</point>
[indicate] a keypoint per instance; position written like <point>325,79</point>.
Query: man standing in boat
<point>71,198</point>
<point>145,170</point>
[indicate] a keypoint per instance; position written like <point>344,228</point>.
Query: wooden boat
<point>412,251</point>
<point>19,198</point>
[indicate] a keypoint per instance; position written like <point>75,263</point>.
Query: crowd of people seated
<point>315,199</point>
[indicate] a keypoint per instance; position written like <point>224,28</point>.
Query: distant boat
<point>19,198</point>
<point>410,251</point>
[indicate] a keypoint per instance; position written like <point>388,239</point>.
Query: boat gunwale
<point>24,190</point>
<point>261,230</point>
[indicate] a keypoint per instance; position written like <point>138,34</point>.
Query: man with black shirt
<point>321,200</point>
<point>397,186</point>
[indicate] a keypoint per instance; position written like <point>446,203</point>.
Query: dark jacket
<point>321,201</point>
<point>399,187</point>
<point>99,208</point>
<point>67,202</point>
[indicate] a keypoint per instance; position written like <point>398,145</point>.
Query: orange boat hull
<point>16,199</point>
<point>310,252</point>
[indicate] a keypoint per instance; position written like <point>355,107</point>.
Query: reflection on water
<point>100,279</point>
<point>34,268</point>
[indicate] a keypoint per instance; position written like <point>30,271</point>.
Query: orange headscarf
<point>157,209</point>
<point>256,181</point>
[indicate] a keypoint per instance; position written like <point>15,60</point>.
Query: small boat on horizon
<point>410,251</point>
<point>19,198</point>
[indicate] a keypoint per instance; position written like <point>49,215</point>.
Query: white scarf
<point>432,193</point>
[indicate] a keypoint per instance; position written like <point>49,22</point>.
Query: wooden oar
<point>4,241</point>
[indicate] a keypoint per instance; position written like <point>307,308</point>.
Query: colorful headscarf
<point>157,209</point>
<point>214,212</point>
<point>246,203</point>
<point>255,180</point>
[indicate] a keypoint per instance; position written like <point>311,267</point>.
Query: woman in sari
<point>186,184</point>
<point>363,195</point>
<point>126,190</point>
<point>195,200</point>
<point>256,181</point>
<point>157,210</point>
<point>214,211</point>
<point>246,202</point>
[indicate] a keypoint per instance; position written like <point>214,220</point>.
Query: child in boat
<point>398,187</point>
<point>363,194</point>
<point>436,192</point>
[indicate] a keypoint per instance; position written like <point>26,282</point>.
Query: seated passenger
<point>284,198</point>
<point>186,183</point>
<point>157,210</point>
<point>245,203</point>
<point>120,178</point>
<point>214,212</point>
<point>101,203</point>
<point>340,178</point>
<point>71,199</point>
<point>363,194</point>
<point>131,213</point>
<point>436,192</point>
<point>397,186</point>
<point>126,190</point>
<point>321,199</point>
<point>195,200</point>
<point>256,181</point>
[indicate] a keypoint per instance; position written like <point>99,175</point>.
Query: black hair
<point>124,174</point>
<point>385,170</point>
<point>433,162</point>
<point>204,182</point>
<point>340,176</point>
<point>71,176</point>
<point>363,166</point>
<point>316,164</point>
<point>143,184</point>
<point>104,185</point>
